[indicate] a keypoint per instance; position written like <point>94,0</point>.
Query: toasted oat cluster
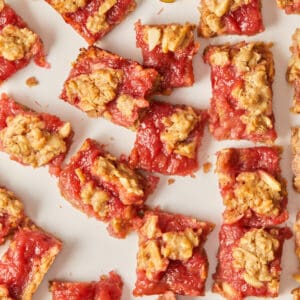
<point>241,106</point>
<point>293,71</point>
<point>242,17</point>
<point>11,213</point>
<point>104,84</point>
<point>167,296</point>
<point>93,19</point>
<point>105,188</point>
<point>289,6</point>
<point>107,288</point>
<point>169,49</point>
<point>253,191</point>
<point>171,255</point>
<point>168,139</point>
<point>27,260</point>
<point>32,138</point>
<point>18,43</point>
<point>249,261</point>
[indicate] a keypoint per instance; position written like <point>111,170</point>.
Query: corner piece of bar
<point>253,190</point>
<point>107,288</point>
<point>171,256</point>
<point>93,19</point>
<point>169,48</point>
<point>241,17</point>
<point>249,261</point>
<point>241,106</point>
<point>32,138</point>
<point>105,84</point>
<point>168,139</point>
<point>106,188</point>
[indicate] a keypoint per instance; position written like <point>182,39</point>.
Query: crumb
<point>207,167</point>
<point>171,181</point>
<point>111,138</point>
<point>60,206</point>
<point>193,175</point>
<point>32,81</point>
<point>160,11</point>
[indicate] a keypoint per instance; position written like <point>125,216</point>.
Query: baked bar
<point>104,84</point>
<point>253,191</point>
<point>171,255</point>
<point>31,138</point>
<point>293,71</point>
<point>105,188</point>
<point>241,106</point>
<point>27,260</point>
<point>168,139</point>
<point>93,19</point>
<point>168,48</point>
<point>18,44</point>
<point>242,17</point>
<point>249,261</point>
<point>107,288</point>
<point>289,6</point>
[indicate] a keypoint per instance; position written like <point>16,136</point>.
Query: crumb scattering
<point>171,181</point>
<point>207,167</point>
<point>32,81</point>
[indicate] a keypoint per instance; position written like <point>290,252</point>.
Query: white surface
<point>88,250</point>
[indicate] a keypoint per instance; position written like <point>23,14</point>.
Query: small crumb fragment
<point>207,167</point>
<point>171,181</point>
<point>111,138</point>
<point>160,11</point>
<point>167,1</point>
<point>32,81</point>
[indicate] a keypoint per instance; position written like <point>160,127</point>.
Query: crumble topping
<point>26,139</point>
<point>11,205</point>
<point>258,191</point>
<point>126,105</point>
<point>255,251</point>
<point>16,42</point>
<point>68,6</point>
<point>94,90</point>
<point>112,171</point>
<point>295,142</point>
<point>171,37</point>
<point>97,22</point>
<point>178,127</point>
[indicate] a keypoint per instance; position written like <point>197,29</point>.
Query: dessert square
<point>108,288</point>
<point>11,213</point>
<point>32,138</point>
<point>18,44</point>
<point>104,84</point>
<point>93,19</point>
<point>241,106</point>
<point>171,256</point>
<point>241,17</point>
<point>253,190</point>
<point>27,260</point>
<point>168,139</point>
<point>293,71</point>
<point>289,6</point>
<point>249,261</point>
<point>169,49</point>
<point>103,187</point>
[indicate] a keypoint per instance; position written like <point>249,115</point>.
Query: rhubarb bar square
<point>106,288</point>
<point>253,190</point>
<point>241,106</point>
<point>168,139</point>
<point>104,84</point>
<point>249,261</point>
<point>169,49</point>
<point>289,6</point>
<point>93,19</point>
<point>293,71</point>
<point>18,43</point>
<point>106,188</point>
<point>32,138</point>
<point>241,17</point>
<point>171,256</point>
<point>11,213</point>
<point>27,260</point>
